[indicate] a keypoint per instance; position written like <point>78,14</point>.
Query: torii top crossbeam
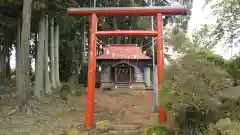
<point>129,11</point>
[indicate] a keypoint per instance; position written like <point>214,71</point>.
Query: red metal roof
<point>123,51</point>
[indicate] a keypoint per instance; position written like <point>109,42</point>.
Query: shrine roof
<point>122,51</point>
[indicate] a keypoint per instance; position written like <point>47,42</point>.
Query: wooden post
<point>115,75</point>
<point>160,53</point>
<point>91,72</point>
<point>130,72</point>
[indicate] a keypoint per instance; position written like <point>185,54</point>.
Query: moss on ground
<point>103,126</point>
<point>156,130</point>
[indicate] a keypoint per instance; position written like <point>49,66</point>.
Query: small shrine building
<point>124,65</point>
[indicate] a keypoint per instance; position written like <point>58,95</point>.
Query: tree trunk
<point>117,38</point>
<point>1,67</point>
<point>133,22</point>
<point>73,79</point>
<point>39,84</point>
<point>35,47</point>
<point>52,60</point>
<point>23,85</point>
<point>8,68</point>
<point>83,33</point>
<point>47,85</point>
<point>4,56</point>
<point>18,45</point>
<point>56,48</point>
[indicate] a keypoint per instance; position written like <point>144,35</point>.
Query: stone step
<point>122,85</point>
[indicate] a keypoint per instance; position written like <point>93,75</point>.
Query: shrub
<point>156,130</point>
<point>103,126</point>
<point>228,127</point>
<point>79,92</point>
<point>189,90</point>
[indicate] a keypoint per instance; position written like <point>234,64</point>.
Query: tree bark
<point>47,85</point>
<point>4,56</point>
<point>8,67</point>
<point>18,44</point>
<point>118,38</point>
<point>84,49</point>
<point>52,59</point>
<point>56,48</point>
<point>39,84</point>
<point>23,85</point>
<point>1,67</point>
<point>36,39</point>
<point>73,79</point>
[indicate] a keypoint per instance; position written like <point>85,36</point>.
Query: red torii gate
<point>157,11</point>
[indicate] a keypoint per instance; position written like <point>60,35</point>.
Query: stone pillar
<point>106,76</point>
<point>109,73</point>
<point>138,74</point>
<point>155,86</point>
<point>147,79</point>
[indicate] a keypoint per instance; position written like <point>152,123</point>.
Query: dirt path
<point>120,107</point>
<point>127,107</point>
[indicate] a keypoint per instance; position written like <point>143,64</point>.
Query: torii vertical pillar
<point>159,49</point>
<point>122,11</point>
<point>91,71</point>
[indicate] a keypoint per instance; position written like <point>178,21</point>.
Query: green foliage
<point>167,98</point>
<point>228,12</point>
<point>203,38</point>
<point>233,67</point>
<point>70,25</point>
<point>156,130</point>
<point>189,90</point>
<point>196,74</point>
<point>212,57</point>
<point>59,114</point>
<point>66,53</point>
<point>79,92</point>
<point>103,125</point>
<point>228,127</point>
<point>73,131</point>
<point>177,39</point>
